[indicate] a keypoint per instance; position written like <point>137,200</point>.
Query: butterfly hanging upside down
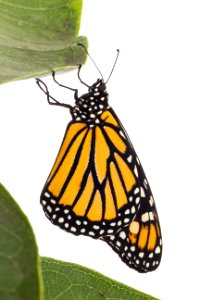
<point>97,186</point>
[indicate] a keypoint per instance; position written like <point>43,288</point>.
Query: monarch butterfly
<point>97,186</point>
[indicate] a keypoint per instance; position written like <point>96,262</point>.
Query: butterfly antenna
<point>80,44</point>
<point>113,66</point>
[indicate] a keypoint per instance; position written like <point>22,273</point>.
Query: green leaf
<point>19,275</point>
<point>39,36</point>
<point>64,281</point>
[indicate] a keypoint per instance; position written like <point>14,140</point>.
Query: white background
<point>155,90</point>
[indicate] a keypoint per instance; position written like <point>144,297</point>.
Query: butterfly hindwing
<point>139,243</point>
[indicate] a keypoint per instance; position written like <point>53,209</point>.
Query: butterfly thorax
<point>90,106</point>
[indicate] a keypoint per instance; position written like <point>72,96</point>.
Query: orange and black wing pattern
<point>139,243</point>
<point>97,186</point>
<point>92,188</point>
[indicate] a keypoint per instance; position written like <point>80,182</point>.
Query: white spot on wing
<point>145,217</point>
<point>145,183</point>
<point>96,227</point>
<point>136,190</point>
<point>73,229</point>
<point>142,192</point>
<point>141,254</point>
<point>151,255</point>
<point>151,216</point>
<point>131,198</point>
<point>113,224</point>
<point>91,233</point>
<point>136,171</point>
<point>133,209</point>
<point>129,159</point>
<point>122,134</point>
<point>138,160</point>
<point>126,220</point>
<point>49,209</point>
<point>151,201</point>
<point>118,244</point>
<point>157,251</point>
<point>122,235</point>
<point>61,220</point>
<point>132,248</point>
<point>137,200</point>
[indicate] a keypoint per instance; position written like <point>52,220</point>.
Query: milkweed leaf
<point>39,36</point>
<point>63,281</point>
<point>19,262</point>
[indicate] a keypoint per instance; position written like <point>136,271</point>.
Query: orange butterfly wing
<point>93,187</point>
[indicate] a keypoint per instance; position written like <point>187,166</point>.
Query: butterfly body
<point>97,186</point>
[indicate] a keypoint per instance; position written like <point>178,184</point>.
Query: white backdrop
<point>155,90</point>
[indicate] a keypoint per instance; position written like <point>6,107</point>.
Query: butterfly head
<point>98,87</point>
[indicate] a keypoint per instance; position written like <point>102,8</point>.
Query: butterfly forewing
<point>92,188</point>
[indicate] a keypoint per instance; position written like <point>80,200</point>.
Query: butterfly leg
<point>67,87</point>
<point>44,88</point>
<point>79,77</point>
